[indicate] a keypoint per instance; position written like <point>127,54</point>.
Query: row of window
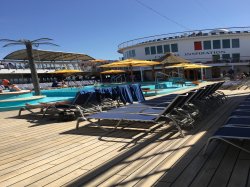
<point>129,54</point>
<point>217,44</point>
<point>160,49</point>
<point>235,57</point>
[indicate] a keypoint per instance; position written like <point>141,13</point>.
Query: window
<point>235,43</point>
<point>153,50</point>
<point>166,48</point>
<point>236,57</point>
<point>159,49</point>
<point>174,47</point>
<point>226,43</point>
<point>207,45</point>
<point>216,58</point>
<point>147,52</point>
<point>125,54</point>
<point>226,56</point>
<point>197,45</point>
<point>133,53</point>
<point>129,54</point>
<point>216,44</point>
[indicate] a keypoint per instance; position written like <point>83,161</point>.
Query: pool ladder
<point>157,78</point>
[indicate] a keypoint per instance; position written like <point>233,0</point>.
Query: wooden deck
<point>36,152</point>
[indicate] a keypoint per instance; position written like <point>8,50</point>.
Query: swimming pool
<point>165,87</point>
<point>61,94</point>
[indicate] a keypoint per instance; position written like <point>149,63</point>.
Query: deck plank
<point>40,152</point>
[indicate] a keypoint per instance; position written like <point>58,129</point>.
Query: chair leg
<point>79,120</point>
<point>223,139</point>
<point>176,125</point>
<point>20,111</point>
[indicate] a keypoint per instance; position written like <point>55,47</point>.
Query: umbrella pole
<point>141,74</point>
<point>131,74</point>
<point>153,72</point>
<point>202,74</point>
<point>101,77</point>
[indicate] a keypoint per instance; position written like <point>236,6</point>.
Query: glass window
<point>153,50</point>
<point>129,53</point>
<point>226,56</point>
<point>216,58</point>
<point>236,57</point>
<point>235,43</point>
<point>147,52</point>
<point>159,49</point>
<point>207,45</point>
<point>197,45</point>
<point>226,43</point>
<point>216,44</point>
<point>166,48</point>
<point>125,55</point>
<point>133,53</point>
<point>174,47</point>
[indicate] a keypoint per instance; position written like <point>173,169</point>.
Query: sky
<point>97,27</point>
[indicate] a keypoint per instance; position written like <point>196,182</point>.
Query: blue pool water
<point>165,87</point>
<point>69,93</point>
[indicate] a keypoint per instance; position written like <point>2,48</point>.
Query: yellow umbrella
<point>196,66</point>
<point>182,65</point>
<point>98,61</point>
<point>131,63</point>
<point>66,71</point>
<point>113,71</point>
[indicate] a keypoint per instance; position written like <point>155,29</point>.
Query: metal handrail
<point>175,35</point>
<point>160,73</point>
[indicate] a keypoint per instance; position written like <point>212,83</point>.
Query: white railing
<point>177,35</point>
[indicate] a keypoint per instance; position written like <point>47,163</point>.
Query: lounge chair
<point>85,102</point>
<point>229,133</point>
<point>41,106</point>
<point>145,114</point>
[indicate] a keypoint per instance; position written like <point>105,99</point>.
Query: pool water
<point>164,87</point>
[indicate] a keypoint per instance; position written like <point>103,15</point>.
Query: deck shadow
<point>37,120</point>
<point>205,126</point>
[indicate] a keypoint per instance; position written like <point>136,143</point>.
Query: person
<point>6,83</point>
<point>14,88</point>
<point>1,88</point>
<point>54,84</point>
<point>63,84</point>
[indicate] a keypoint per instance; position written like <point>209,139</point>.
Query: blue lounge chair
<point>85,102</point>
<point>139,114</point>
<point>227,134</point>
<point>243,121</point>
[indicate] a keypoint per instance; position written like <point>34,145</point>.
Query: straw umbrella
<point>131,63</point>
<point>170,59</point>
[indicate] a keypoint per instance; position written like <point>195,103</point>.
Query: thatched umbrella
<point>170,59</point>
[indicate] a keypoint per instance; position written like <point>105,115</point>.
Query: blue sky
<point>96,27</point>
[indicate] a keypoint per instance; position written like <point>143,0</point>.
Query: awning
<point>42,55</point>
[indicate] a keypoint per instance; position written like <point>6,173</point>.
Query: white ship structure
<point>222,48</point>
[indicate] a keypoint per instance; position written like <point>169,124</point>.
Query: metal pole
<point>141,74</point>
